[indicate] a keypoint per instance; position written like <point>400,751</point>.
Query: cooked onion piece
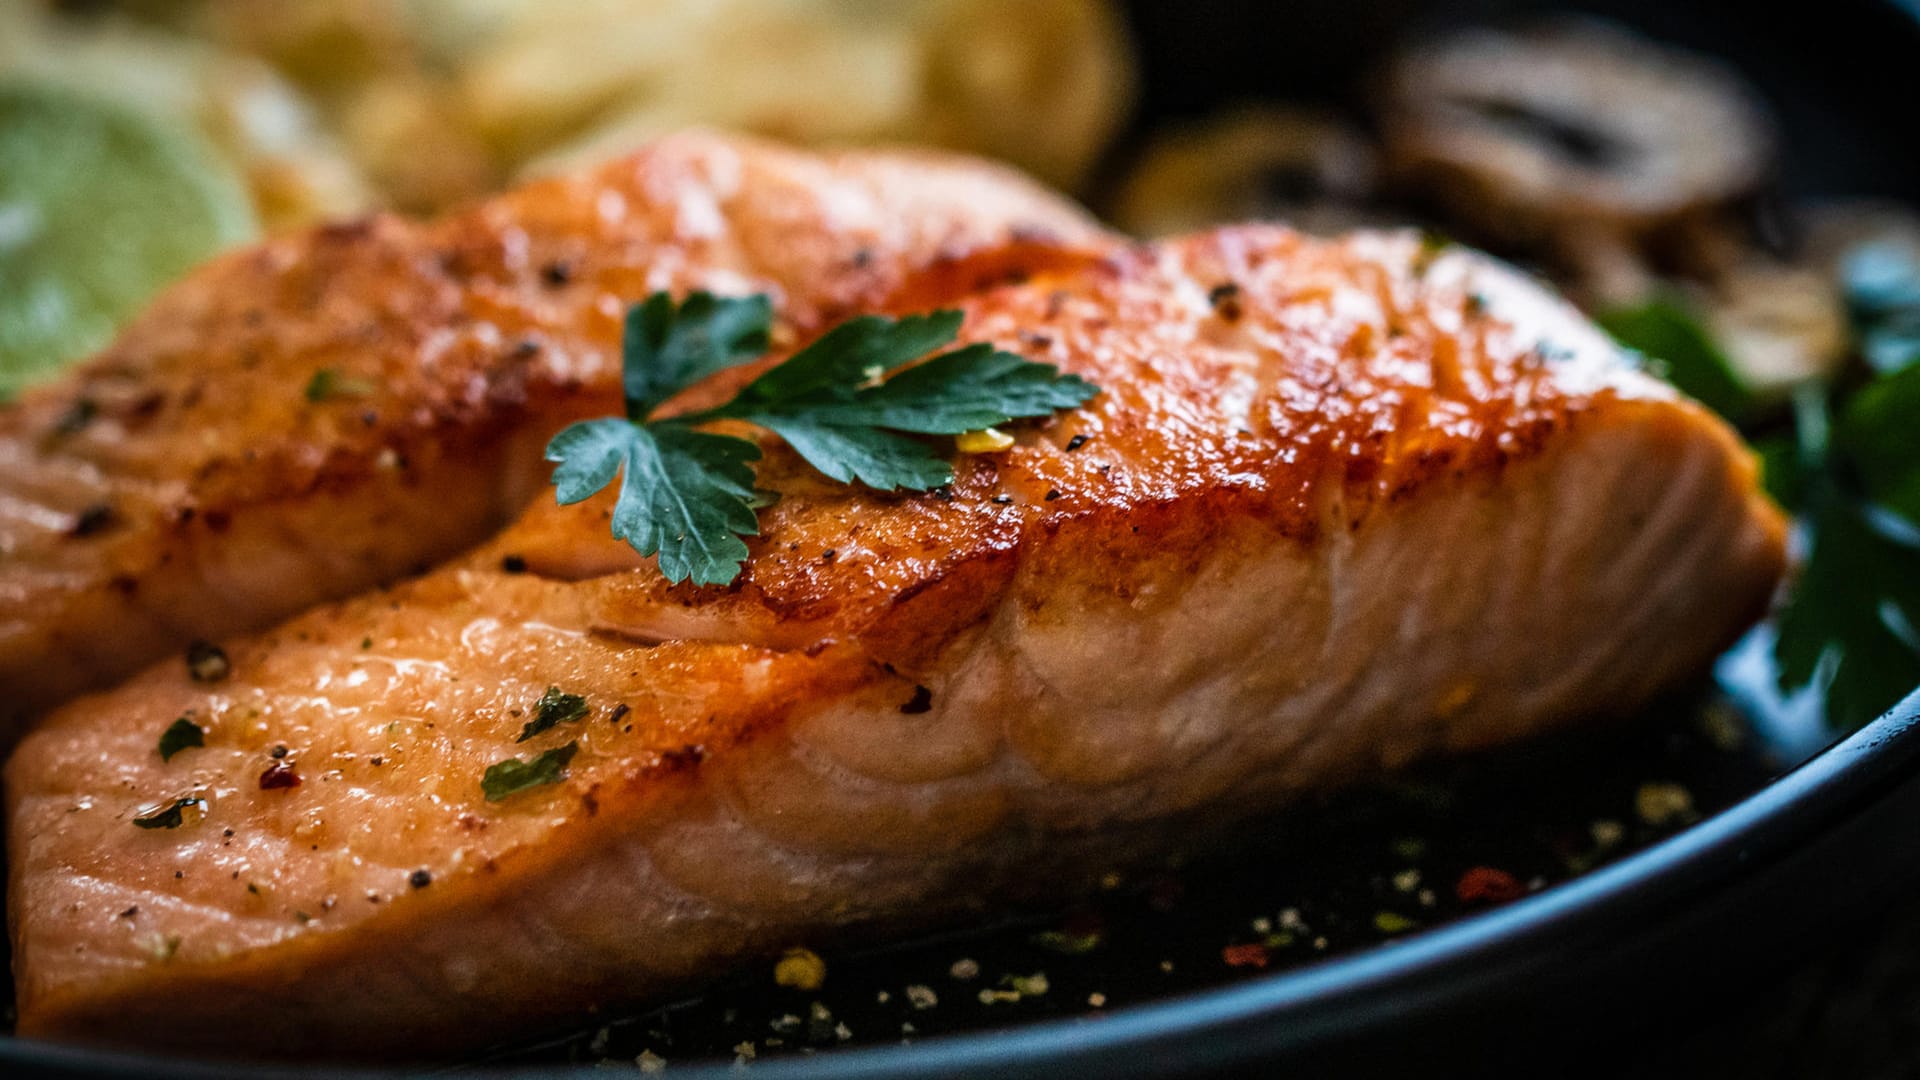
<point>1303,167</point>
<point>1572,133</point>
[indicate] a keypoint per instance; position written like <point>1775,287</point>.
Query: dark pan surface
<point>1407,940</point>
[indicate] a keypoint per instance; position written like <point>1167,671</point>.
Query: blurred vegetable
<point>100,205</point>
<point>1575,140</point>
<point>1303,167</point>
<point>295,170</point>
<point>1679,349</point>
<point>446,99</point>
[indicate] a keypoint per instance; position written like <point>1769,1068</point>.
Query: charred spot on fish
<point>207,662</point>
<point>93,521</point>
<point>920,702</point>
<point>684,757</point>
<point>76,417</point>
<point>1225,301</point>
<point>279,777</point>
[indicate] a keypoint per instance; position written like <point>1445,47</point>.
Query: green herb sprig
<point>512,776</point>
<point>687,495</point>
<point>1849,465</point>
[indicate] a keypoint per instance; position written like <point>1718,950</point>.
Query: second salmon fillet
<point>1340,505</point>
<point>303,420</point>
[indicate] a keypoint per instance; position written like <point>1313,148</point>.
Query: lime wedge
<point>100,205</point>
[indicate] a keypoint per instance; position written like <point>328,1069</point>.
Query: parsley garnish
<point>553,708</point>
<point>328,383</point>
<point>180,735</point>
<point>512,776</point>
<point>687,495</point>
<point>1849,466</point>
<point>1679,349</point>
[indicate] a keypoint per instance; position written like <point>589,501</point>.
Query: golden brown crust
<point>453,347</point>
<point>1319,447</point>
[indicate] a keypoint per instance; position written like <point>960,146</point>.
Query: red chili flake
<point>1253,954</point>
<point>1484,884</point>
<point>279,775</point>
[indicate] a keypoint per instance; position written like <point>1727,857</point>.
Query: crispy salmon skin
<point>1338,506</point>
<point>300,421</point>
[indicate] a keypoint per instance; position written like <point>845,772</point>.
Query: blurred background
<point>139,136</point>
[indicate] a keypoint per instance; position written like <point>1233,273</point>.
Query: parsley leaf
<point>684,495</point>
<point>1849,626</point>
<point>1680,351</point>
<point>512,776</point>
<point>687,495</point>
<point>553,708</point>
<point>667,350</point>
<point>181,735</point>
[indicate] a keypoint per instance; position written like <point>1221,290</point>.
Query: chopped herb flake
<point>180,812</point>
<point>180,735</point>
<point>512,776</point>
<point>328,383</point>
<point>553,708</point>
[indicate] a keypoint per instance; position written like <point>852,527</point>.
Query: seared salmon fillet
<point>1339,505</point>
<point>300,421</point>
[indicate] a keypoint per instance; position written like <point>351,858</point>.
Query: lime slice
<point>100,205</point>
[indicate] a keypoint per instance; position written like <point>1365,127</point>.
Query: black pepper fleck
<point>557,273</point>
<point>921,701</point>
<point>93,520</point>
<point>278,752</point>
<point>1001,500</point>
<point>1076,443</point>
<point>1052,494</point>
<point>619,713</point>
<point>77,416</point>
<point>1225,299</point>
<point>207,663</point>
<point>514,564</point>
<point>420,879</point>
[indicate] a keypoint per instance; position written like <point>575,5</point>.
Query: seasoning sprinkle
<point>187,811</point>
<point>554,707</point>
<point>207,663</point>
<point>180,735</point>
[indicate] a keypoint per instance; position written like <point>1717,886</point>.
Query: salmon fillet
<point>195,480</point>
<point>1339,506</point>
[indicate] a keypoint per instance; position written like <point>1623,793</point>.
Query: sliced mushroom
<point>1307,168</point>
<point>1779,324</point>
<point>1574,137</point>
